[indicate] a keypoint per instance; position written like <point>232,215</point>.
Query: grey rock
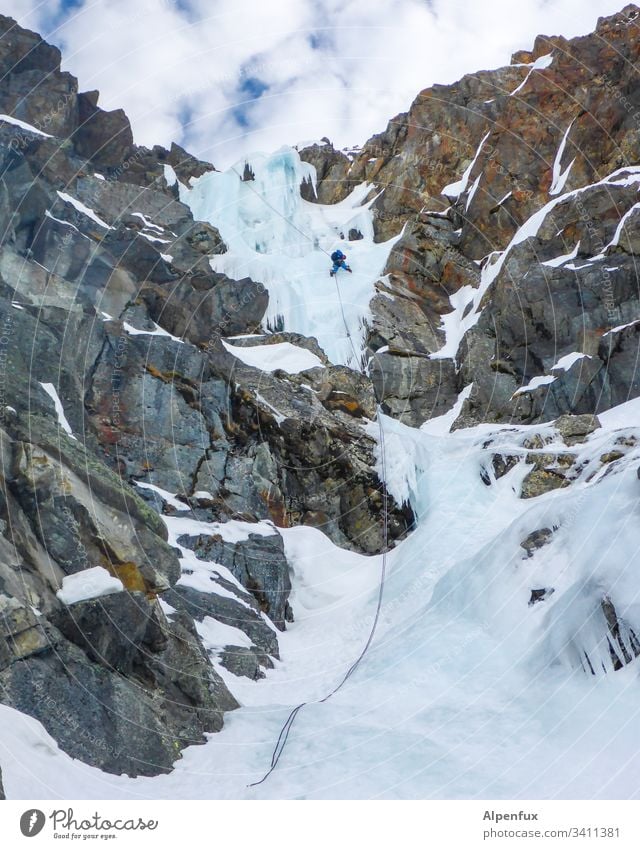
<point>243,661</point>
<point>541,481</point>
<point>243,613</point>
<point>116,630</point>
<point>535,540</point>
<point>574,429</point>
<point>259,563</point>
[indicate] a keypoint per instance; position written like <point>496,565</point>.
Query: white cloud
<point>340,68</point>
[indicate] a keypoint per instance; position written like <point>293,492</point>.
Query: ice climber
<point>339,261</point>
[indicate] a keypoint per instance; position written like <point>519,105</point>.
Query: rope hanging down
<point>286,728</point>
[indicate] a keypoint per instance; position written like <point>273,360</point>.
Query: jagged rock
<point>503,463</point>
<point>243,613</point>
<point>535,540</point>
<point>574,429</point>
<point>540,595</point>
<point>624,645</point>
<point>136,725</point>
<point>116,631</point>
<point>259,563</point>
<point>611,457</point>
<point>2,794</point>
<point>105,138</point>
<point>20,633</point>
<point>331,166</point>
<point>224,308</point>
<point>540,481</point>
<point>413,389</point>
<point>312,450</point>
<point>244,661</point>
<point>309,343</point>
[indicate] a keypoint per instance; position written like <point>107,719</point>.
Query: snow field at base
<point>467,691</point>
<point>282,241</point>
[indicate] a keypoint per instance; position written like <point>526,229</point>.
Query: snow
<point>8,119</point>
<point>147,223</point>
<point>284,242</point>
<point>85,210</point>
<point>454,190</point>
<point>467,691</point>
<point>167,257</point>
<point>166,607</point>
<point>624,415</point>
<point>279,417</point>
<point>560,260</point>
<point>621,327</point>
<point>170,175</point>
<point>534,383</point>
<point>540,63</point>
<point>66,223</point>
<point>472,192</point>
<point>232,531</point>
<point>280,355</point>
<point>50,389</point>
<point>559,178</point>
<point>621,225</point>
<point>90,583</point>
<point>565,363</point>
<point>216,635</point>
<point>157,331</point>
<point>154,239</point>
<point>166,496</point>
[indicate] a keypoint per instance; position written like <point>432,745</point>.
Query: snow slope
<point>468,690</point>
<point>278,239</point>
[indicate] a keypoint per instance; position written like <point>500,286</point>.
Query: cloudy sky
<point>227,77</point>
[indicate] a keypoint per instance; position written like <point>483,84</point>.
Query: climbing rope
<point>286,728</point>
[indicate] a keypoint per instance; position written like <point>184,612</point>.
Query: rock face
<point>463,171</point>
<point>121,414</point>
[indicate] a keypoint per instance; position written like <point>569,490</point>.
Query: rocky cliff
<point>135,446</point>
<point>148,467</point>
<point>515,191</point>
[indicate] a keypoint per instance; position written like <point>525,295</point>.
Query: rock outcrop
<point>122,414</point>
<point>463,171</point>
